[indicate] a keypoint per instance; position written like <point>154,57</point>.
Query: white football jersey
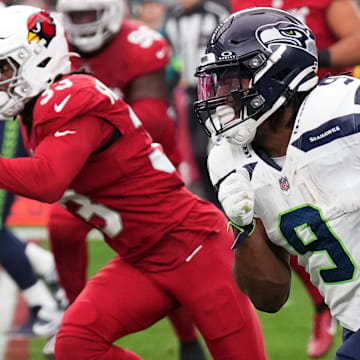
<point>311,206</point>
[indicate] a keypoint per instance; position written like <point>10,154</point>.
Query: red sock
<point>68,243</point>
<point>183,325</point>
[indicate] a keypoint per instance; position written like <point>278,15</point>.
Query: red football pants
<point>68,242</point>
<point>121,300</point>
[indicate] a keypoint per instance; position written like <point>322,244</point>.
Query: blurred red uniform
<point>136,50</point>
<point>90,151</point>
<point>311,12</point>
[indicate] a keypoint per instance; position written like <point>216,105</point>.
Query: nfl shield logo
<point>284,183</point>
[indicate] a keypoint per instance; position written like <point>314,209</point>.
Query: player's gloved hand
<point>237,199</point>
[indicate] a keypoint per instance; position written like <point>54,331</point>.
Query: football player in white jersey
<point>287,161</point>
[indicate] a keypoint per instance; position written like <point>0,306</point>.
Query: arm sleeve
<point>56,161</point>
<point>155,116</point>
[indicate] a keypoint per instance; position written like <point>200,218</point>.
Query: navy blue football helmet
<point>254,63</point>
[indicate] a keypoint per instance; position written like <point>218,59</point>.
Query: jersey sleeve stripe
<point>217,185</point>
<point>331,130</point>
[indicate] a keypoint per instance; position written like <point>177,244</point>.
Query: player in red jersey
<point>336,25</point>
<point>135,58</point>
<point>91,152</point>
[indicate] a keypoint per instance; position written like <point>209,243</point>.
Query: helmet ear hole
<point>13,63</point>
<point>44,62</point>
<point>281,75</point>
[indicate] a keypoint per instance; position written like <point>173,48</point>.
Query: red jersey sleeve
<point>56,161</point>
<point>313,13</point>
<point>156,115</point>
<point>67,126</point>
<point>135,50</point>
<point>146,49</point>
<point>298,8</point>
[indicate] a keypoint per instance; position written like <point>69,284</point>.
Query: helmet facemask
<point>10,101</point>
<point>227,96</point>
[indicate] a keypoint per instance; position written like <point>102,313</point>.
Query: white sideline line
<point>41,233</point>
<point>8,300</point>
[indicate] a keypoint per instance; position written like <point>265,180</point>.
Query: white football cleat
<point>48,322</point>
<point>49,348</point>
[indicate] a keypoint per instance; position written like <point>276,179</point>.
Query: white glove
<point>237,198</point>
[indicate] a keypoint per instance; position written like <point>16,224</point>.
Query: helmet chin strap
<point>242,134</point>
<point>4,98</point>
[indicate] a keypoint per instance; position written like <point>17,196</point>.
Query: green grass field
<point>286,333</point>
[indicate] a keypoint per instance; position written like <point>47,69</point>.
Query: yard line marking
<point>41,233</point>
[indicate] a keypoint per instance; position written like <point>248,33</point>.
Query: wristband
<point>324,58</point>
<point>244,232</point>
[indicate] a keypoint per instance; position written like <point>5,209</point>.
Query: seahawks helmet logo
<point>285,33</point>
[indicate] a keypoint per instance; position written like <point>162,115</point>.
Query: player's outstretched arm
<point>341,54</point>
<point>262,271</point>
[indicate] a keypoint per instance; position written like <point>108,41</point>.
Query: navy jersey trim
<point>217,185</point>
<point>266,158</point>
<point>334,129</point>
<point>116,135</point>
<point>248,167</point>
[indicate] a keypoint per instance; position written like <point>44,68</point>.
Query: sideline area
<point>28,219</point>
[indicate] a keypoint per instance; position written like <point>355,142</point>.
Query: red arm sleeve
<point>56,161</point>
<point>155,115</point>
